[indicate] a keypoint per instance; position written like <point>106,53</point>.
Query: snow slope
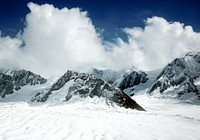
<point>86,120</point>
<point>27,92</point>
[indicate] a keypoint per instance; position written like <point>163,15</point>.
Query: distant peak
<point>192,54</point>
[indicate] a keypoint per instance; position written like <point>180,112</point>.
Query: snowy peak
<point>73,84</point>
<point>122,79</point>
<point>180,75</point>
<point>109,76</point>
<point>24,77</point>
<point>192,54</point>
<point>188,65</point>
<point>11,80</point>
<point>179,79</point>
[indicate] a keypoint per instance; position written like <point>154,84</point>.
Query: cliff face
<point>13,80</point>
<point>180,75</point>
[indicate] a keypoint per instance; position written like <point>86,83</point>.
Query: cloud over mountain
<point>158,43</point>
<point>59,39</point>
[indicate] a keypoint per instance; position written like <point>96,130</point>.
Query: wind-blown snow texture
<point>164,120</point>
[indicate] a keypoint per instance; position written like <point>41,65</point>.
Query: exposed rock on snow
<point>178,77</point>
<point>85,85</point>
<point>132,79</point>
<point>6,85</point>
<point>11,80</point>
<point>122,79</point>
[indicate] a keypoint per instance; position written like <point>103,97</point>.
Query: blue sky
<point>110,15</point>
<point>144,34</point>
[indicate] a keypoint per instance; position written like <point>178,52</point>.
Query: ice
<point>165,119</point>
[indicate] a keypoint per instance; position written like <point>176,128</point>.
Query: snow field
<point>84,120</point>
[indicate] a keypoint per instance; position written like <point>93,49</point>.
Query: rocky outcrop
<point>87,86</point>
<point>132,79</point>
<point>24,77</point>
<point>180,74</point>
<point>122,79</point>
<point>6,85</point>
<point>11,80</point>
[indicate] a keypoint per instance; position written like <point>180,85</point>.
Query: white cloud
<point>9,52</point>
<point>60,39</point>
<point>157,44</point>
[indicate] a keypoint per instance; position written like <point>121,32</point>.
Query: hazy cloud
<point>10,53</point>
<point>60,39</point>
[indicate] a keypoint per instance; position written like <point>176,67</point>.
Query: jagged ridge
<point>181,72</point>
<point>86,85</point>
<point>122,79</point>
<point>11,80</point>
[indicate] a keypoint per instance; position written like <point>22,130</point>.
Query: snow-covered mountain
<point>180,78</point>
<point>75,105</point>
<point>126,80</point>
<point>110,76</point>
<point>12,80</point>
<point>23,85</point>
<point>81,85</point>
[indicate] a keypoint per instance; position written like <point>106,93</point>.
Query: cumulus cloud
<point>157,44</point>
<point>59,39</point>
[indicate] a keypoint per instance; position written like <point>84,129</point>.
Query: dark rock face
<point>132,79</point>
<point>6,85</point>
<point>24,77</point>
<point>86,85</point>
<point>181,72</point>
<point>16,79</point>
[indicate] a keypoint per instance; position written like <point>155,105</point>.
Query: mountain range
<point>179,79</point>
